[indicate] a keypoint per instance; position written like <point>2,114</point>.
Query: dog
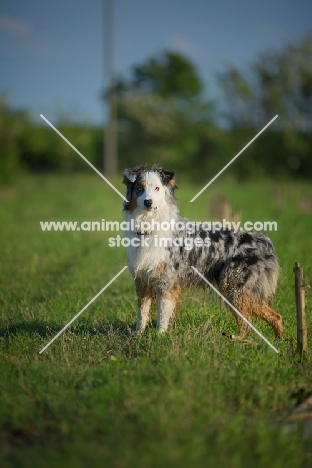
<point>163,247</point>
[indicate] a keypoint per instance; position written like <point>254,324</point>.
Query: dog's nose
<point>148,203</point>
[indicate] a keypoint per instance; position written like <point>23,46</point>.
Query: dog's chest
<point>144,260</point>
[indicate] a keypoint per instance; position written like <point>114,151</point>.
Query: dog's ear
<point>167,177</point>
<point>131,175</point>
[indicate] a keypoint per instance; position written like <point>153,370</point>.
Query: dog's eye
<point>139,190</point>
<point>157,189</point>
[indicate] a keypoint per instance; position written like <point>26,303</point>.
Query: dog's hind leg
<point>243,327</point>
<point>166,308</point>
<point>274,319</point>
<point>249,306</point>
<point>144,304</point>
<point>244,305</point>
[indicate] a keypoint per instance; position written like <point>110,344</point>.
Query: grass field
<point>99,398</point>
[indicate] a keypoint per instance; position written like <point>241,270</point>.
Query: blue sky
<point>51,53</point>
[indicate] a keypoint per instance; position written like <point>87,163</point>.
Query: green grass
<point>96,396</point>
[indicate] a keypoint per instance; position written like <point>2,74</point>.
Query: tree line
<point>164,116</point>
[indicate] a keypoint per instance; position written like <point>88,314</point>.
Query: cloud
<point>183,45</point>
<point>14,27</point>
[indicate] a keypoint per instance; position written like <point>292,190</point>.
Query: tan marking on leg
<point>248,306</point>
<point>274,319</point>
<point>144,303</point>
<point>160,269</point>
<point>245,305</point>
<point>251,306</point>
<point>174,293</point>
<point>166,308</point>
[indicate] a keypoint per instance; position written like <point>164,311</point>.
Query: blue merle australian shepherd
<point>164,246</point>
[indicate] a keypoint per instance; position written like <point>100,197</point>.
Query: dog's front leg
<point>166,303</point>
<point>144,304</point>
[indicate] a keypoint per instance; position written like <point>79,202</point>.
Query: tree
<point>161,111</point>
<point>13,127</point>
<point>276,83</point>
<point>168,74</point>
<point>239,96</point>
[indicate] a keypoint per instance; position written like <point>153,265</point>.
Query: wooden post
<point>302,341</point>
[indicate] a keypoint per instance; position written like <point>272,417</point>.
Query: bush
<point>13,127</point>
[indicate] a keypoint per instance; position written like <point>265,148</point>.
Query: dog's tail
<point>263,278</point>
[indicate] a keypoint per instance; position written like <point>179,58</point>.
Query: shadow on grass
<point>45,330</point>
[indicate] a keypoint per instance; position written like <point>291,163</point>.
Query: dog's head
<point>148,190</point>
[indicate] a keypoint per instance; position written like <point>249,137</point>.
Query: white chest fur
<point>144,259</point>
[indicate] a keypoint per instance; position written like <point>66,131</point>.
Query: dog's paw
<point>136,333</point>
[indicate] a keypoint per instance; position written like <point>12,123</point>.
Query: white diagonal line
<point>82,310</point>
<point>235,157</point>
<point>237,311</point>
<point>82,156</point>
